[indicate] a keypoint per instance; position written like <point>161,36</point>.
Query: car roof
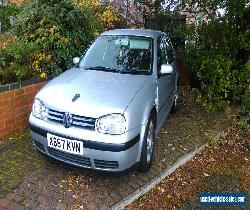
<point>134,32</point>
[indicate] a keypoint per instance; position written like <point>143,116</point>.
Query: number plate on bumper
<point>66,145</point>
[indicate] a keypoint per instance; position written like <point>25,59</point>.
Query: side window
<point>170,53</point>
<point>161,52</point>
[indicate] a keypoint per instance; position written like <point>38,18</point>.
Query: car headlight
<point>111,124</point>
<point>39,109</point>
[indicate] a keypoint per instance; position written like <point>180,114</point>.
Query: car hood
<point>100,92</point>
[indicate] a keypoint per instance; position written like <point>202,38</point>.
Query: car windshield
<point>123,54</point>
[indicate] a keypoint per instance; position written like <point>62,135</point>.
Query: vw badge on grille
<point>67,120</point>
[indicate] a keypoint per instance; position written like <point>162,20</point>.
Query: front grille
<point>75,159</point>
<point>78,121</point>
<point>106,164</point>
<point>39,146</point>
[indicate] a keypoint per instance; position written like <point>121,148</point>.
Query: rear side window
<point>161,52</point>
<point>165,52</point>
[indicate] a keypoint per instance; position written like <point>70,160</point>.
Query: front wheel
<point>147,146</point>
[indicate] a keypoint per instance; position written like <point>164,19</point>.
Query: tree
<point>218,53</point>
<point>103,11</point>
<point>59,29</point>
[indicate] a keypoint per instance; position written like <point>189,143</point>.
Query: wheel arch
<point>150,112</point>
<point>142,165</point>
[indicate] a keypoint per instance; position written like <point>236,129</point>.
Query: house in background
<point>194,14</point>
<point>17,2</point>
<point>131,10</point>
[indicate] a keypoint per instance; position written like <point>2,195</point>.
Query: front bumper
<point>97,155</point>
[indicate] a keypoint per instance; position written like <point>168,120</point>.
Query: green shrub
<point>213,52</point>
<point>59,29</point>
<point>104,12</point>
<point>6,40</point>
<point>5,12</point>
<point>16,62</point>
<point>245,99</point>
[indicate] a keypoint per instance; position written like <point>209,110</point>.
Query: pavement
<point>29,180</point>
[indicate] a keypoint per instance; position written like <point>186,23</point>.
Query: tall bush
<point>16,61</point>
<point>104,12</point>
<point>59,29</point>
<point>218,54</point>
<point>6,11</point>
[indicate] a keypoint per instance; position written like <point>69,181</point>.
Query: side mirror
<point>76,60</point>
<point>166,69</point>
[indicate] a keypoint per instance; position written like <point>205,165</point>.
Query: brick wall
<point>15,107</point>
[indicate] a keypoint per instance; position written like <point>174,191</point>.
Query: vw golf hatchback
<point>105,112</point>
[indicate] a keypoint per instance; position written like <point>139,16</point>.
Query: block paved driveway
<point>29,180</point>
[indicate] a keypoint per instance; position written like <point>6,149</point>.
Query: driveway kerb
<point>144,189</point>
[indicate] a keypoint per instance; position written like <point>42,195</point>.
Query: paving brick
<point>133,183</point>
<point>109,201</point>
<point>68,199</point>
<point>32,187</point>
<point>52,202</point>
<point>127,189</point>
<point>28,203</point>
<point>51,194</point>
<point>41,199</point>
<point>17,198</point>
<point>100,204</point>
<point>155,169</point>
<point>91,205</point>
<point>4,203</point>
<point>115,196</point>
<point>61,206</point>
<point>140,182</point>
<point>150,175</point>
<point>43,206</point>
<point>15,206</point>
<point>33,179</point>
<point>33,195</point>
<point>143,177</point>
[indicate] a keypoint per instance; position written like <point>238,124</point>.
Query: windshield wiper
<point>135,71</point>
<point>101,68</point>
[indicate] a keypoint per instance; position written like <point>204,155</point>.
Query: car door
<point>163,81</point>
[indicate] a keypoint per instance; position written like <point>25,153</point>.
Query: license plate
<point>66,145</point>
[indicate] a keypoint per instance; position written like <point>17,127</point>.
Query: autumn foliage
<point>56,31</point>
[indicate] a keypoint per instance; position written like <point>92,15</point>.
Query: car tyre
<point>176,98</point>
<point>148,146</point>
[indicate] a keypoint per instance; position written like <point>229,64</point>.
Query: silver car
<point>104,113</point>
